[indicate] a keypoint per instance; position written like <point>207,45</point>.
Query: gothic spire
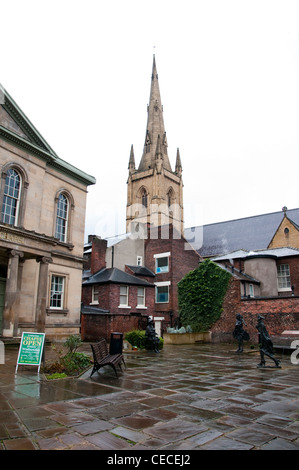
<point>155,127</point>
<point>131,166</point>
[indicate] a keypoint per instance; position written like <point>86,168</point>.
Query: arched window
<point>170,197</point>
<point>11,197</point>
<point>144,198</point>
<point>62,217</point>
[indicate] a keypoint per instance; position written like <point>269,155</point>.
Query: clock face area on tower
<point>155,191</point>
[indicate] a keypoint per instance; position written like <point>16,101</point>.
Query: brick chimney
<point>98,254</point>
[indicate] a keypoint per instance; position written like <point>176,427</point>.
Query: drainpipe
<point>112,257</point>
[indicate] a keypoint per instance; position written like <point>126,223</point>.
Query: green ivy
<point>200,294</point>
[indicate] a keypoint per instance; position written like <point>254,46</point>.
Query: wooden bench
<point>101,357</point>
<point>284,343</point>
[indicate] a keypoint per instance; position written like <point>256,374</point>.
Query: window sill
<point>124,306</point>
<point>60,311</point>
<point>68,245</point>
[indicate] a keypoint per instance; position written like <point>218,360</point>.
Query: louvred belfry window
<point>144,199</point>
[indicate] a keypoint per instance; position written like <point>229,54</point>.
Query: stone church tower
<point>155,192</point>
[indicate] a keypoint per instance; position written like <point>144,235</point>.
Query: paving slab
<point>200,396</point>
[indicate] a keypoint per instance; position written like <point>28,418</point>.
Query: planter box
<point>187,338</point>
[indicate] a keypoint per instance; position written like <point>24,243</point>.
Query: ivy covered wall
<point>200,295</point>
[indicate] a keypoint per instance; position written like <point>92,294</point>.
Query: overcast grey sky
<point>228,73</point>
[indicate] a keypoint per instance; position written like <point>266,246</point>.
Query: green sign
<point>31,349</point>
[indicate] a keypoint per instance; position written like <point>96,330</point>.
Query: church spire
<point>155,192</point>
<point>131,160</point>
<point>155,127</point>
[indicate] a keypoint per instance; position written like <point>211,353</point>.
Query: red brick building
<point>170,257</point>
<point>113,300</point>
<point>266,283</point>
<point>121,300</point>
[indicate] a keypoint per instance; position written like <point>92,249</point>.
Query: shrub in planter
<point>138,338</point>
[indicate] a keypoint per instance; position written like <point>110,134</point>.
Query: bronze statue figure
<point>239,333</point>
<point>265,343</point>
<point>152,339</point>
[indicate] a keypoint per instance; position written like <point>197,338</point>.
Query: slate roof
<point>87,309</point>
<point>141,271</point>
<point>116,276</point>
<point>238,274</point>
<point>282,252</point>
<point>250,233</point>
<point>17,129</point>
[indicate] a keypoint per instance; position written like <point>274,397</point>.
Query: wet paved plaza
<point>188,397</point>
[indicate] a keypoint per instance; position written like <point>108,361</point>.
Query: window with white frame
<point>162,292</point>
<point>162,262</point>
<point>95,294</point>
<point>251,290</point>
<point>57,292</point>
<point>140,297</point>
<point>11,197</point>
<point>62,217</point>
<point>283,277</point>
<point>124,296</point>
<point>139,260</point>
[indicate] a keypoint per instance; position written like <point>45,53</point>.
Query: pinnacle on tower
<point>178,164</point>
<point>131,166</point>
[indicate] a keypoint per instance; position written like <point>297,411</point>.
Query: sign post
<point>31,349</point>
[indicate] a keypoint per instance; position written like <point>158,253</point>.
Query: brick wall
<point>293,263</point>
<point>280,313</point>
<point>86,295</point>
<point>109,298</point>
<point>96,326</point>
<point>98,259</point>
<point>223,328</point>
<point>181,261</point>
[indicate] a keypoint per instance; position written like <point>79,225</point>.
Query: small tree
<point>72,362</point>
<point>200,294</point>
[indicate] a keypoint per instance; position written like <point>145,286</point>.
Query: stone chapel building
<point>155,191</point>
<point>42,203</point>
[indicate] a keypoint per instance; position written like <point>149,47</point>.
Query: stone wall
<point>41,255</point>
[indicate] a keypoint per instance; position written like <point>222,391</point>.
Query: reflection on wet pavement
<point>200,396</point>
